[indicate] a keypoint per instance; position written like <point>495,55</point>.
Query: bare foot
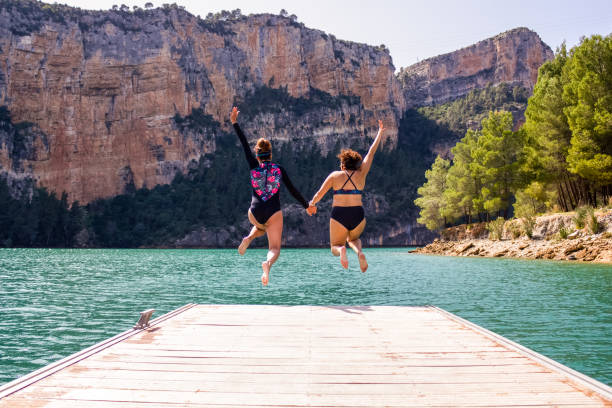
<point>265,276</point>
<point>244,245</point>
<point>343,258</point>
<point>363,264</point>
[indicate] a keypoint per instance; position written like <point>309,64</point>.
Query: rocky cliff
<point>512,57</point>
<point>98,103</point>
<point>108,92</point>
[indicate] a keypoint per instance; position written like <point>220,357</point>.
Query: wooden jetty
<point>306,356</point>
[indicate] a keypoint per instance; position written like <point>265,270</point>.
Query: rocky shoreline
<point>545,243</point>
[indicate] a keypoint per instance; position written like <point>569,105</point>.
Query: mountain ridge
<point>447,76</point>
<point>127,111</point>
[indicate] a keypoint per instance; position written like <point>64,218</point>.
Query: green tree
<point>468,111</point>
<point>430,195</point>
<point>497,160</point>
<point>532,200</point>
<point>588,96</point>
<point>548,135</point>
<point>461,184</point>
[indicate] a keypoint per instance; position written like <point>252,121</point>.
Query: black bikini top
<point>343,191</point>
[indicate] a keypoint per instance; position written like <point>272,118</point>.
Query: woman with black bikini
<point>265,211</point>
<point>347,217</point>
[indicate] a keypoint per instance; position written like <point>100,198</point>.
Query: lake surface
<point>55,302</point>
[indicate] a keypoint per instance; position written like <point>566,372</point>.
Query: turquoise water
<point>56,302</point>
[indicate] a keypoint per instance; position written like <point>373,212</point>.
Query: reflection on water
<point>56,302</point>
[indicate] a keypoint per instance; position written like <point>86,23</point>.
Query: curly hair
<point>350,159</point>
<point>263,148</point>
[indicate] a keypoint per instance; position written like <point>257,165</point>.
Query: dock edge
<point>35,376</point>
<point>576,377</point>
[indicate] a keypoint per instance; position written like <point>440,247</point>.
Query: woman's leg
<point>337,240</point>
<point>257,231</point>
<point>274,229</point>
<point>355,243</point>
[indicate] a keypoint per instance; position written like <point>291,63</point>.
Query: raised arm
<point>250,157</point>
<point>367,161</point>
<point>327,184</point>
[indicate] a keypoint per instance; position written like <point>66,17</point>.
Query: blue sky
<point>415,30</point>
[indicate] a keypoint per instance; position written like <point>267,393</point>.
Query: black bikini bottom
<point>349,217</point>
<point>264,211</point>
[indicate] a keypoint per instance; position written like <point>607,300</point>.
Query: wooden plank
<point>261,385</point>
<point>371,360</point>
<point>234,355</point>
<point>360,378</point>
<point>346,369</point>
<point>51,403</point>
<point>407,353</point>
<point>236,397</point>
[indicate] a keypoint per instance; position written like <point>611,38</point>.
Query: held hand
<point>381,127</point>
<point>234,115</point>
<point>311,210</point>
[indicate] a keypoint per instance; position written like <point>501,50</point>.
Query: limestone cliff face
<point>104,90</point>
<point>95,102</point>
<point>512,57</point>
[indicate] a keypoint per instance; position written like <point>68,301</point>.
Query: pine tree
<point>588,96</point>
<point>461,184</point>
<point>548,136</point>
<point>430,195</point>
<point>532,200</point>
<point>497,160</point>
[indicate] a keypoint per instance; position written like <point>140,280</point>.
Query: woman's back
<point>347,186</point>
<point>347,218</point>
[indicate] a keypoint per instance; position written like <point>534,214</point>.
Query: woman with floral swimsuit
<point>265,212</point>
